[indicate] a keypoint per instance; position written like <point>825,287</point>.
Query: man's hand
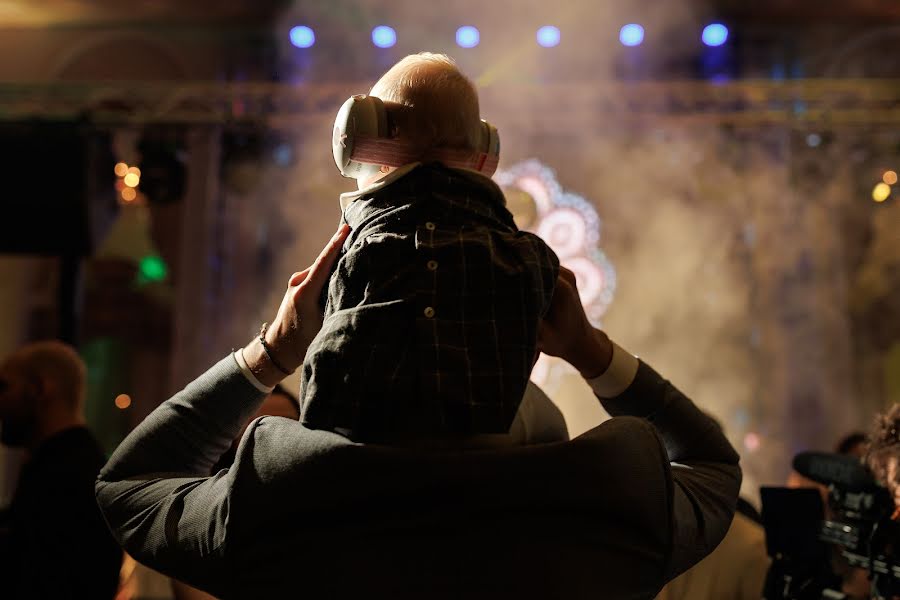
<point>566,333</point>
<point>299,317</point>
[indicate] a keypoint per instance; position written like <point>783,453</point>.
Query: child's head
<point>438,105</point>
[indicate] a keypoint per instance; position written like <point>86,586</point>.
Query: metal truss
<point>561,106</point>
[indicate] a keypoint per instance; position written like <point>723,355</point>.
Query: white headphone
<point>362,141</point>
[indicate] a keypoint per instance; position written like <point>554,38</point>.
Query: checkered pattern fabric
<point>432,313</point>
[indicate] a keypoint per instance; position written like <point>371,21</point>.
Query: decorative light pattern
<point>569,224</point>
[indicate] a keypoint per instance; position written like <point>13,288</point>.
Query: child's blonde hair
<point>441,104</point>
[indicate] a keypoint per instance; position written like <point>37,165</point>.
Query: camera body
<point>816,543</point>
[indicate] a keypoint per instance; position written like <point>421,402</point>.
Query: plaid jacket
<point>431,315</point>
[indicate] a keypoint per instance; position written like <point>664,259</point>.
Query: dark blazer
<point>308,514</point>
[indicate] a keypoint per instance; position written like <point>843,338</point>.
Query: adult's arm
<point>705,476</point>
<point>155,491</point>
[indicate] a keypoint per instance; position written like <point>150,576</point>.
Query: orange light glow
<point>134,170</point>
<point>132,180</point>
<point>890,177</point>
<point>121,169</point>
<point>123,401</point>
<point>128,194</point>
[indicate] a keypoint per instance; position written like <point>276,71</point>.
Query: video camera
<point>815,546</point>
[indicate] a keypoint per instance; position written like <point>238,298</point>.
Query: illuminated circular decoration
<point>565,230</point>
<point>568,223</point>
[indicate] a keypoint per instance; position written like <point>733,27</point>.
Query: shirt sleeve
<point>704,467</point>
<point>245,369</point>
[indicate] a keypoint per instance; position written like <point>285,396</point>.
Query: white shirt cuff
<point>616,379</point>
<point>245,369</point>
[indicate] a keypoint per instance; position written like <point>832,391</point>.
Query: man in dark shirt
<point>53,540</point>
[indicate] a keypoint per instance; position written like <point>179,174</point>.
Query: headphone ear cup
<point>360,115</point>
<point>490,139</point>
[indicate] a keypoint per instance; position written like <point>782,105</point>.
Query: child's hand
<point>565,331</point>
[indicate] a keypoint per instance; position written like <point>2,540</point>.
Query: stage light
<point>467,36</point>
<point>715,34</point>
<point>631,34</point>
<point>132,180</point>
<point>881,192</point>
<point>152,268</point>
<point>548,36</point>
<point>128,194</point>
<point>121,169</point>
<point>302,36</point>
<point>384,36</point>
<point>123,401</point>
<point>813,140</point>
<point>890,177</point>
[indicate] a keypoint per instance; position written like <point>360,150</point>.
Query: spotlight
<point>467,36</point>
<point>384,36</point>
<point>631,34</point>
<point>715,34</point>
<point>302,36</point>
<point>548,36</point>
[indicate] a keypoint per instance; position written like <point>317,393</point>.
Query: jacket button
<point>432,265</point>
<point>429,226</point>
<point>429,312</point>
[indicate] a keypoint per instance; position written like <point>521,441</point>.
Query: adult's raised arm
<point>156,491</point>
<point>705,475</point>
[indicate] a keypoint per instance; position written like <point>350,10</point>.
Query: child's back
<point>433,308</point>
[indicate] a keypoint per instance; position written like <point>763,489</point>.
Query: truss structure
<point>561,106</point>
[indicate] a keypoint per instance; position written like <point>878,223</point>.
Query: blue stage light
<point>302,36</point>
<point>548,36</point>
<point>715,34</point>
<point>467,36</point>
<point>631,34</point>
<point>384,36</point>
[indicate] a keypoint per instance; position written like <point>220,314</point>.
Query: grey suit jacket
<point>308,514</point>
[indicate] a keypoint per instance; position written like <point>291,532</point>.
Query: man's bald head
<point>438,105</point>
<point>42,389</point>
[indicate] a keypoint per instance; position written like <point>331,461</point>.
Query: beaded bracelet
<point>268,350</point>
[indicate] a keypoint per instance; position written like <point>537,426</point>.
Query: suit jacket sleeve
<point>155,491</point>
<point>705,476</point>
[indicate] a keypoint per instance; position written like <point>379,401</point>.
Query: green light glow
<point>153,268</point>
